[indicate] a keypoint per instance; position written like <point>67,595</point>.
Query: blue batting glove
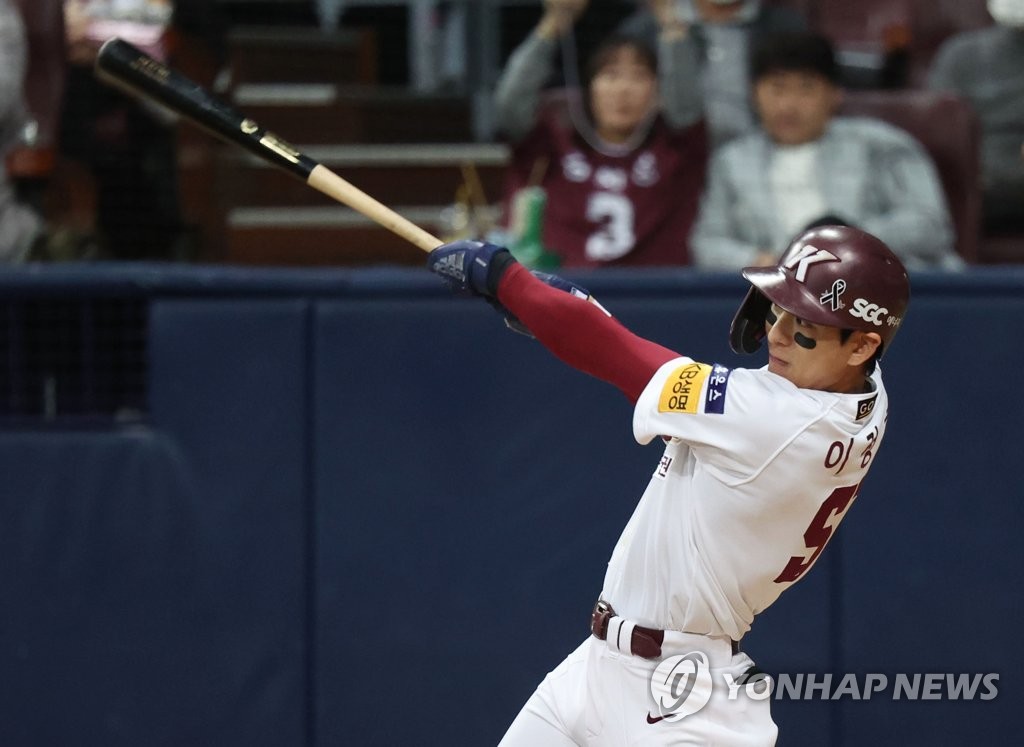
<point>470,266</point>
<point>476,267</point>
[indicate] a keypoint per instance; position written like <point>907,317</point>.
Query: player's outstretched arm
<point>449,262</point>
<point>578,332</point>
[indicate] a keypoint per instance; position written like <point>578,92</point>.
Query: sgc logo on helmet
<point>869,312</point>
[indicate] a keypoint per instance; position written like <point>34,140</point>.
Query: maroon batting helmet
<point>837,276</point>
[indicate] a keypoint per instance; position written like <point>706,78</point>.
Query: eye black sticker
<point>804,341</point>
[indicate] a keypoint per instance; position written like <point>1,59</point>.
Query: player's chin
<point>777,365</point>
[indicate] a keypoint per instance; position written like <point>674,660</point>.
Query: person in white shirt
<point>759,467</point>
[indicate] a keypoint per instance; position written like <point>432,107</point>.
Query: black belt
<point>645,642</point>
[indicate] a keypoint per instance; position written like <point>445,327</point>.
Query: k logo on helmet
<point>807,256</point>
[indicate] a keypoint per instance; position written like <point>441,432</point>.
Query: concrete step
<point>265,54</point>
<point>323,113</point>
<point>397,174</point>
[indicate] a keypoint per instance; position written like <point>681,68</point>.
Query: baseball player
<point>759,467</point>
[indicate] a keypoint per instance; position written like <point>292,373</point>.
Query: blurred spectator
<point>806,167</point>
<point>622,176</point>
<point>128,147</point>
<point>986,67</point>
<point>20,226</point>
<point>724,31</point>
<point>328,13</point>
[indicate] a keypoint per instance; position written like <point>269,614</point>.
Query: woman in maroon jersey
<point>623,169</point>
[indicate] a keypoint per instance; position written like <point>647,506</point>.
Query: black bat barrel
<point>127,67</point>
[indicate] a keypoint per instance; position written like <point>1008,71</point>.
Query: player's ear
<point>864,345</point>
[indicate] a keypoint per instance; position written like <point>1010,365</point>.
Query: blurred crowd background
<point>404,99</point>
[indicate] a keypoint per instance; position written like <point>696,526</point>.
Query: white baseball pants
<point>600,697</point>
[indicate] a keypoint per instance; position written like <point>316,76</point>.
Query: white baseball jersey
<point>756,476</point>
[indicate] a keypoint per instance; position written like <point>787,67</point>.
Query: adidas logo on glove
<point>451,266</point>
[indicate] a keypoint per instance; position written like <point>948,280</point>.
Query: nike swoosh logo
<point>653,720</point>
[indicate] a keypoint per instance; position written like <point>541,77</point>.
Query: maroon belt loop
<point>645,642</point>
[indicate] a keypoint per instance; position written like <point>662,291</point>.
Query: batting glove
<point>473,267</point>
<point>476,267</point>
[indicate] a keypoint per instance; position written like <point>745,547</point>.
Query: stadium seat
<point>871,39</point>
<point>861,23</point>
<point>891,43</point>
<point>948,128</point>
<point>1001,248</point>
<point>934,21</point>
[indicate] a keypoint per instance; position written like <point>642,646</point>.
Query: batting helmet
<point>837,276</point>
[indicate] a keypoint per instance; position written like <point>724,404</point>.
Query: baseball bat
<point>132,70</point>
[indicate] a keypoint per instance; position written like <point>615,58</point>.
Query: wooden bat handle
<point>323,179</point>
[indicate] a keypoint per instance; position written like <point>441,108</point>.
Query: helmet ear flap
<point>747,331</point>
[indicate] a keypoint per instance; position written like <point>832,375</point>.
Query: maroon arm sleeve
<point>581,334</point>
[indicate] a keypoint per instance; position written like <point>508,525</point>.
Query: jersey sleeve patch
<point>681,392</point>
<point>714,402</point>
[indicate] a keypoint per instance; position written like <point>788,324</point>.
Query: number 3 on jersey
<point>819,532</point>
<point>615,235</point>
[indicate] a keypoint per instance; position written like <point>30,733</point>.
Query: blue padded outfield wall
<point>357,511</point>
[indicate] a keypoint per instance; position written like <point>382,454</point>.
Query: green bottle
<point>528,230</point>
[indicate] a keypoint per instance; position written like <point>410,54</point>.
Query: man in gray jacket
<point>806,167</point>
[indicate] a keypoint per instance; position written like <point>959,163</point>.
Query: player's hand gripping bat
<point>124,66</point>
